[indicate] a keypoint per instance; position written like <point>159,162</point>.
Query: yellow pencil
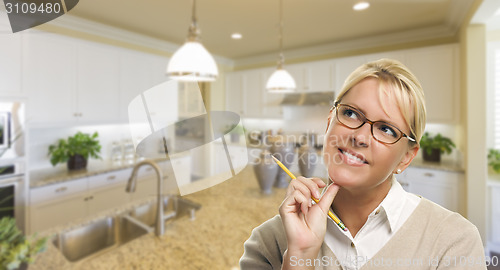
<point>330,214</point>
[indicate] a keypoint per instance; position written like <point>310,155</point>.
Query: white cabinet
<point>244,93</point>
<point>437,70</point>
<point>271,101</point>
<point>61,203</point>
<point>49,78</point>
<point>442,187</point>
<point>322,76</point>
<point>234,92</point>
<point>136,76</point>
<point>70,81</point>
<point>56,212</point>
<point>302,75</point>
<point>344,67</point>
<point>97,83</point>
<point>11,64</point>
<point>252,94</point>
<point>57,204</point>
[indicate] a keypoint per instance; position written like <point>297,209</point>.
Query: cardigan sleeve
<point>265,247</point>
<point>463,248</point>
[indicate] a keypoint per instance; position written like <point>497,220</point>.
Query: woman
<point>372,133</point>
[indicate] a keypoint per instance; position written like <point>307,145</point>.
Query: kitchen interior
<point>176,176</point>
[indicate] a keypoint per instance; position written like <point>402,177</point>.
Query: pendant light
<point>281,80</point>
<point>192,62</point>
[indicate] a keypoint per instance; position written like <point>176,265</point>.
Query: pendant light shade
<point>192,62</point>
<point>281,80</point>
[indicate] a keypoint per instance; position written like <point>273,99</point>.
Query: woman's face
<point>354,159</point>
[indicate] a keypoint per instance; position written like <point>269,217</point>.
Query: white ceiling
<point>308,23</point>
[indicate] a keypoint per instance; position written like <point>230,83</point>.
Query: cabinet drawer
<point>432,175</point>
<point>111,178</point>
<point>57,191</point>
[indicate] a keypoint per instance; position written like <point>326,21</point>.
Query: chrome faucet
<point>160,219</point>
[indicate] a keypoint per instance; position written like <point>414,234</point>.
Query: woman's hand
<point>305,222</point>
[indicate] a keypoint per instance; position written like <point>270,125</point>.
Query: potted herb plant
<point>494,160</point>
<point>236,131</point>
<point>434,146</point>
<point>75,150</point>
<point>16,251</point>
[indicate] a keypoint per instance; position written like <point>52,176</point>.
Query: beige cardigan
<point>431,238</point>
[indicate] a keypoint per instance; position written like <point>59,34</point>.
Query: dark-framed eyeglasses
<point>381,131</point>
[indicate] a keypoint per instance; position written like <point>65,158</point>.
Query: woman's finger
<point>326,201</point>
<point>312,185</point>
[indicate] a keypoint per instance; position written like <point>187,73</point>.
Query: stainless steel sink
<point>174,207</point>
<point>110,232</point>
<point>97,237</point>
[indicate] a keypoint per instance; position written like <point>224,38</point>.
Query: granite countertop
<point>214,240</point>
<point>49,176</point>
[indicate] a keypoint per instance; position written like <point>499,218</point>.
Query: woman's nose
<point>362,136</point>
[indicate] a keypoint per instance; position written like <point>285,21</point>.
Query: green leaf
<point>82,144</point>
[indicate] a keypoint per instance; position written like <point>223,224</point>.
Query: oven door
<point>12,200</point>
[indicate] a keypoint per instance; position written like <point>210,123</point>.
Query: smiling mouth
<point>352,159</point>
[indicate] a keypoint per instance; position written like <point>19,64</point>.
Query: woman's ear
<point>408,157</point>
<point>329,119</point>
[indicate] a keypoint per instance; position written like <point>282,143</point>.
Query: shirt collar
<point>393,203</point>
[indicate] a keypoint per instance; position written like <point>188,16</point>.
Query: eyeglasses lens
<point>354,119</point>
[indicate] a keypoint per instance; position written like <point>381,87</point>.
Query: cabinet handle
<point>429,174</point>
<point>61,189</point>
<point>75,114</point>
<point>112,177</point>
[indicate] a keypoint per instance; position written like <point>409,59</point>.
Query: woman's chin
<point>343,178</point>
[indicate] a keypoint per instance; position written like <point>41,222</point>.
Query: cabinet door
<point>182,169</point>
<point>97,82</point>
<point>252,97</point>
<point>438,186</point>
<point>301,74</point>
<point>57,212</point>
<point>49,78</point>
<point>437,69</point>
<point>107,198</point>
<point>322,76</point>
<point>271,105</point>
<point>234,92</point>
<point>145,187</point>
<point>135,73</point>
<point>10,67</point>
<point>344,67</point>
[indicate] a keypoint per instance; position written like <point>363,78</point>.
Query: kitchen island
<point>214,240</point>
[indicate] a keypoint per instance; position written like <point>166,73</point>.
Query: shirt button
<point>352,244</point>
<point>377,212</point>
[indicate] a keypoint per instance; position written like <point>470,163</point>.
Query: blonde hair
<point>394,75</point>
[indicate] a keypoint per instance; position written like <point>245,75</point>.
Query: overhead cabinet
<point>72,81</point>
<point>436,68</point>
<point>11,55</point>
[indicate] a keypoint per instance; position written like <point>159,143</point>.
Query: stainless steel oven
<point>13,184</point>
<point>13,193</point>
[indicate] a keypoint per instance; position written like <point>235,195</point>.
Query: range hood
<point>308,99</point>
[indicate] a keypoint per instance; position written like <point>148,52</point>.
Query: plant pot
<point>435,155</point>
<point>77,162</point>
<point>284,152</point>
<point>23,266</point>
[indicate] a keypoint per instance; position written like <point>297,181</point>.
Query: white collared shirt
<point>380,226</point>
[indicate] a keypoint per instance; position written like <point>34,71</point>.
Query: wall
<point>41,138</point>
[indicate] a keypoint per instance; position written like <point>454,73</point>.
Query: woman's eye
<point>387,130</point>
<point>351,114</point>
